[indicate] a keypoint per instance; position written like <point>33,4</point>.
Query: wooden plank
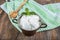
<point>7,30</point>
<point>46,35</point>
<point>45,1</point>
<point>57,0</point>
<point>2,1</point>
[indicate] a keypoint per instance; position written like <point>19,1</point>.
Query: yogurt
<point>30,22</point>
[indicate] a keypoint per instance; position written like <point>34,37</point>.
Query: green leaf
<point>27,12</point>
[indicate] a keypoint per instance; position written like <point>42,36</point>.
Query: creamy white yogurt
<point>30,22</point>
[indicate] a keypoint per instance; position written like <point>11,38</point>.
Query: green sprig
<point>27,12</point>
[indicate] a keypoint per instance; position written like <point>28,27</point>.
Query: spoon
<point>13,14</point>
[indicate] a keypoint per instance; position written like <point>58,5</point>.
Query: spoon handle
<point>22,4</point>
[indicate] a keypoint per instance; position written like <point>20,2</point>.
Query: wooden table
<point>9,32</point>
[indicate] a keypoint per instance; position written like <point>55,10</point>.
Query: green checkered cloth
<point>49,12</point>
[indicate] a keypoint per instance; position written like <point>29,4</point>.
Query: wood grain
<point>9,32</point>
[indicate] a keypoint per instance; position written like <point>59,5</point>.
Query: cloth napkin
<point>49,12</point>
